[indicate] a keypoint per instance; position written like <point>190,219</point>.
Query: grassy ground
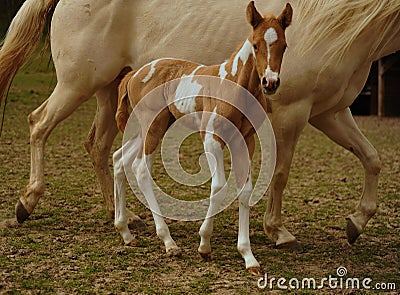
<point>68,246</point>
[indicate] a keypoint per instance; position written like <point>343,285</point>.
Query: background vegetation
<point>8,8</point>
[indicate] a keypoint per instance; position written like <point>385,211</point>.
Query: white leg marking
<point>243,244</point>
<point>215,158</point>
<point>142,168</point>
<point>131,148</point>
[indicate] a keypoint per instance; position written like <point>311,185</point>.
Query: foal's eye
<point>255,47</point>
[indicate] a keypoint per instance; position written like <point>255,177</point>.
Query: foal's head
<point>269,43</point>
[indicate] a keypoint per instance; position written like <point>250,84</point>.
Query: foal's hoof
<point>293,245</point>
<point>206,256</point>
<point>134,221</point>
<point>21,213</point>
<point>136,224</point>
<point>174,252</point>
<point>254,271</point>
<point>132,243</point>
<point>352,231</point>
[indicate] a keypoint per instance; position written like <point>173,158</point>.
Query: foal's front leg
<point>242,169</point>
<point>215,157</point>
<point>142,168</point>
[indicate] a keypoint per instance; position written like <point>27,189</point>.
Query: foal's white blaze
<point>270,37</point>
<point>186,92</point>
<point>243,55</point>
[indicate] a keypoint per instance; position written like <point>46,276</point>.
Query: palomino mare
<point>258,71</point>
<point>332,46</point>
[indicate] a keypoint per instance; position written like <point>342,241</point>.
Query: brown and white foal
<point>254,66</point>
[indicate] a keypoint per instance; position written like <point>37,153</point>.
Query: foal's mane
<point>343,21</point>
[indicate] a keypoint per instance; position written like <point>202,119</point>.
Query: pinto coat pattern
<point>255,66</point>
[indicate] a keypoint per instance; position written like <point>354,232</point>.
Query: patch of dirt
<point>68,245</point>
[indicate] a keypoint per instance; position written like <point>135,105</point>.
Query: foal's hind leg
<point>131,148</point>
<point>61,103</point>
<point>342,129</point>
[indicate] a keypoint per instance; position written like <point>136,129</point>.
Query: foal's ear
<point>285,18</point>
<point>253,16</point>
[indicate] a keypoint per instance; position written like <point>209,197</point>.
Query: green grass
<point>69,246</point>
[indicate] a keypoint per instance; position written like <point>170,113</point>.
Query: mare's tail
<point>22,38</point>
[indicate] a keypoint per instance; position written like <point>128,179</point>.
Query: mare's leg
<point>61,103</point>
<point>100,138</point>
<point>215,157</point>
<point>142,169</point>
<point>342,129</point>
<point>131,149</point>
<point>99,142</point>
<point>245,187</point>
<point>288,121</point>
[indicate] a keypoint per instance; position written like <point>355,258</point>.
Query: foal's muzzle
<point>269,85</point>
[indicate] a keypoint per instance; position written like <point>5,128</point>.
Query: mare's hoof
<point>352,231</point>
<point>174,252</point>
<point>21,213</point>
<point>293,245</point>
<point>206,256</point>
<point>255,271</point>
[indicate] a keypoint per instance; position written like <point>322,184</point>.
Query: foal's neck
<point>240,68</point>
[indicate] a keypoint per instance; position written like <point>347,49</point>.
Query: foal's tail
<point>123,112</point>
<point>22,38</point>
